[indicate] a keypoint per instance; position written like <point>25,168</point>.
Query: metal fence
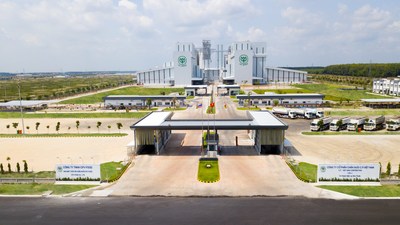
<point>26,180</point>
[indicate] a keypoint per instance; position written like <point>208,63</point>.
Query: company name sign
<point>78,172</point>
<point>348,172</point>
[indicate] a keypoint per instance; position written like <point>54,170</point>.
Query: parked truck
<point>320,124</point>
<point>356,123</point>
<point>374,123</point>
<point>284,112</point>
<point>339,124</point>
<point>393,124</point>
<point>318,113</point>
<point>306,113</point>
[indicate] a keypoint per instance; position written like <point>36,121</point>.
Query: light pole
<point>20,107</point>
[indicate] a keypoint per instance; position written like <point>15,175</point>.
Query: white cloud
<point>342,8</point>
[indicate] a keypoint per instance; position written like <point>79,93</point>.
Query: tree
<point>388,169</point>
<point>25,166</point>
<point>37,127</point>
<point>77,125</point>
<point>8,128</point>
<point>1,168</point>
<point>398,171</point>
<point>69,128</point>
<point>148,102</point>
<point>174,101</point>
<point>15,125</point>
<point>119,126</point>
<point>275,102</point>
<point>8,164</point>
<point>320,124</point>
<point>98,126</point>
<point>109,127</point>
<point>28,127</point>
<point>18,168</point>
<point>48,127</point>
<point>89,128</point>
<point>339,123</point>
<point>58,127</point>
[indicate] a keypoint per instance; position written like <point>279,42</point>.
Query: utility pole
<point>20,107</point>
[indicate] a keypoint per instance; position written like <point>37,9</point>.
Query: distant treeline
<point>372,70</point>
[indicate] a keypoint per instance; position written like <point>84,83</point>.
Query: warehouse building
<point>287,100</point>
<point>387,86</point>
<point>241,63</point>
<point>382,103</point>
<point>139,101</point>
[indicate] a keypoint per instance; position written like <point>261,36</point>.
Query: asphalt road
<point>197,211</point>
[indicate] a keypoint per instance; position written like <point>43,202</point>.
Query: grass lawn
<point>249,108</point>
<point>374,112</point>
<point>37,189</point>
<point>305,171</point>
<point>335,92</point>
<point>9,115</point>
<point>41,174</point>
<point>95,98</point>
<point>111,171</point>
<point>174,109</point>
<point>283,91</point>
<point>63,135</point>
<point>208,175</point>
<point>367,191</point>
<point>210,110</point>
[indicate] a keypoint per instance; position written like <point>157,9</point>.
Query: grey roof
<point>382,100</point>
<point>277,96</point>
<point>257,120</point>
<point>195,86</point>
<point>27,103</point>
<point>228,86</point>
<point>142,97</point>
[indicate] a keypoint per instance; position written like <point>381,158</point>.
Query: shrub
<point>388,169</point>
<point>25,166</point>
<point>1,168</point>
<point>18,167</point>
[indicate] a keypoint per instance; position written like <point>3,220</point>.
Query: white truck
<point>339,124</point>
<point>306,113</point>
<point>284,112</point>
<point>374,123</point>
<point>393,124</point>
<point>318,113</point>
<point>356,123</point>
<point>320,124</point>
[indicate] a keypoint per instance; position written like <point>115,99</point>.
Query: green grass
<point>249,108</point>
<point>190,97</point>
<point>208,175</point>
<point>367,191</point>
<point>95,98</point>
<point>333,92</point>
<point>351,133</point>
<point>374,112</point>
<point>109,170</point>
<point>49,88</point>
<point>210,110</point>
<point>41,174</point>
<point>283,91</point>
<point>37,189</point>
<point>9,115</point>
<point>174,109</point>
<point>63,135</point>
<point>305,171</point>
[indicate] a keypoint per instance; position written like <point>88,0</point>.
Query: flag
<point>199,105</point>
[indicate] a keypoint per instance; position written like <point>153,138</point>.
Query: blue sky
<point>76,35</point>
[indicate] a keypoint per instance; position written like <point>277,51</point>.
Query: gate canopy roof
<point>257,120</point>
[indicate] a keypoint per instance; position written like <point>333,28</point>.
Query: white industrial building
<point>287,100</point>
<point>242,63</point>
<point>387,86</point>
<point>133,101</point>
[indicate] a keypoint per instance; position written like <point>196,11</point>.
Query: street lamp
<point>20,107</point>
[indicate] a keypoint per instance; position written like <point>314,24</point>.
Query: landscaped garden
<point>208,171</point>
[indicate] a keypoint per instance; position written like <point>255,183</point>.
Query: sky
<point>98,35</point>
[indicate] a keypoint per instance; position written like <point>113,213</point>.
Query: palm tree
<point>98,126</point>
<point>77,125</point>
<point>58,127</point>
<point>9,165</point>
<point>109,127</point>
<point>28,127</point>
<point>15,125</point>
<point>37,127</point>
<point>48,127</point>
<point>89,128</point>
<point>148,102</point>
<point>8,128</point>
<point>119,125</point>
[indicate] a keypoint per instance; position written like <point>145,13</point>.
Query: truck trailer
<point>356,123</point>
<point>284,113</point>
<point>374,123</point>
<point>320,124</point>
<point>306,113</point>
<point>339,124</point>
<point>393,124</point>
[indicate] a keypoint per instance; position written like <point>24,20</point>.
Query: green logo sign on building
<point>182,60</point>
<point>243,60</point>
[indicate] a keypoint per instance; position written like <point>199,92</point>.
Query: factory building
<point>387,86</point>
<point>241,63</point>
<point>287,100</point>
<point>139,101</point>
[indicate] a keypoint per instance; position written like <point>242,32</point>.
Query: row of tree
<point>58,126</point>
<point>349,80</point>
<point>18,167</point>
<point>375,70</point>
